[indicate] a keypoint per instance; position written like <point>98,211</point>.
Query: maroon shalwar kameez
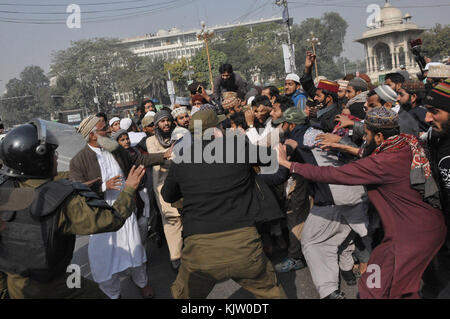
<point>414,231</point>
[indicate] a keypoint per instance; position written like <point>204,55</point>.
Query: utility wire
<point>94,19</point>
<point>92,11</point>
<point>65,5</point>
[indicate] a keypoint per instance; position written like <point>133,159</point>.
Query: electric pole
<point>286,19</point>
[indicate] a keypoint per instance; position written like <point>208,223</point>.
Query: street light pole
<point>286,17</point>
<point>207,35</point>
<point>313,41</point>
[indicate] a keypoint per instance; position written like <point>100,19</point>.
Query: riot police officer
<point>37,242</point>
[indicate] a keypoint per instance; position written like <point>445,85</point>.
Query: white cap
<point>125,123</point>
<point>114,119</point>
<point>150,113</point>
<point>293,77</point>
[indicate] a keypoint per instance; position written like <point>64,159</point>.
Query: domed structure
<point>390,15</point>
<point>387,45</point>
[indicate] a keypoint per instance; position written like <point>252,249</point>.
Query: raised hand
<point>249,117</point>
<point>310,60</point>
<point>344,121</point>
<point>135,176</point>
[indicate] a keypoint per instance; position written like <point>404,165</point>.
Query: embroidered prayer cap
<point>88,125</point>
<point>150,113</point>
<point>230,102</point>
<point>381,117</point>
<point>342,84</point>
<point>147,120</point>
<point>386,93</point>
<point>439,71</point>
<point>439,97</point>
<point>179,111</point>
<point>328,85</point>
<point>413,86</point>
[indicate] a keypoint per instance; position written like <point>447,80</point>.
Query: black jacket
<point>218,197</point>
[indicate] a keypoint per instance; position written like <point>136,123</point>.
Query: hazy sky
<point>32,44</point>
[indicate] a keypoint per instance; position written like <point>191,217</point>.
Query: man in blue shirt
<point>292,89</point>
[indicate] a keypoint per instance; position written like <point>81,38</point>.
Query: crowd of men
<point>360,188</point>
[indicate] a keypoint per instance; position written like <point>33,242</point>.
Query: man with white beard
<point>102,163</point>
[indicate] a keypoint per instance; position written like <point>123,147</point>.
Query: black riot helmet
<point>28,151</point>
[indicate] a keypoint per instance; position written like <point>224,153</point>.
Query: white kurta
<point>114,252</point>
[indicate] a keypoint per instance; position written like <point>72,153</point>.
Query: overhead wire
<point>172,4</point>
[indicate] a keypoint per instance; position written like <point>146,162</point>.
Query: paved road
<point>298,284</point>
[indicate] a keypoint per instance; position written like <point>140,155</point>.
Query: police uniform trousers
<point>208,259</point>
<point>25,288</point>
<point>325,229</point>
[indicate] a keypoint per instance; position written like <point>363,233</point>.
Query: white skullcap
<point>150,113</point>
<point>125,123</point>
<point>114,119</point>
<point>293,77</point>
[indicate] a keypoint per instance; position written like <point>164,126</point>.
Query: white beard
<point>107,143</point>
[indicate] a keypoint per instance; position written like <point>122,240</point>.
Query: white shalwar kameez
<point>114,252</point>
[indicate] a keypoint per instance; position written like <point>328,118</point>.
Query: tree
<point>27,97</point>
<point>178,74</point>
<point>200,64</point>
<point>152,78</point>
<point>330,29</point>
<point>89,67</point>
<point>436,42</point>
<point>235,44</point>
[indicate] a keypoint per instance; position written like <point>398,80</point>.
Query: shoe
<point>337,294</point>
<point>290,264</point>
<point>349,277</point>
<point>176,264</point>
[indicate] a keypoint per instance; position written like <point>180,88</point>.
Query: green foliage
<point>330,29</point>
<point>200,64</point>
<point>436,42</point>
<point>178,75</point>
<point>27,97</point>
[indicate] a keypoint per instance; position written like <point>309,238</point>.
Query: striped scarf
<point>421,178</point>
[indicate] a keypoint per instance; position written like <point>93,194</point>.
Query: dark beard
<point>229,84</point>
<point>368,149</point>
<point>445,133</point>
